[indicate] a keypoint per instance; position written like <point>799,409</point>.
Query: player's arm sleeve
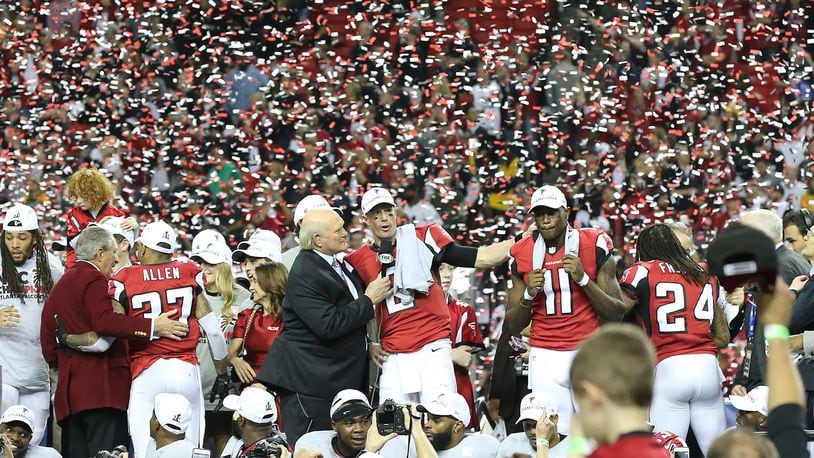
<point>470,330</point>
<point>457,255</point>
<point>107,322</point>
<point>328,321</point>
<point>217,342</point>
<point>630,284</point>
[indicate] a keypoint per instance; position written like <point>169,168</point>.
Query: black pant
<point>302,414</point>
<point>85,433</point>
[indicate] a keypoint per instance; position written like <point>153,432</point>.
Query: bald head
<point>323,230</point>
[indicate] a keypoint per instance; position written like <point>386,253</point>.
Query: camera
<point>390,418</point>
<point>269,447</point>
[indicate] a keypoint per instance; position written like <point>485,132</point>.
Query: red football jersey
<point>150,290</point>
<point>675,313</point>
<point>640,445</point>
<point>465,331</point>
<point>79,219</point>
<point>562,316</point>
<point>408,323</point>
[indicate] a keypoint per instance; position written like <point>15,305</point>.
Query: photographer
<point>168,427</point>
<point>448,415</point>
<point>256,413</point>
<point>350,419</point>
<point>16,429</point>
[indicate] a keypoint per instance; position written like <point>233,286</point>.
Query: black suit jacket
<point>323,347</point>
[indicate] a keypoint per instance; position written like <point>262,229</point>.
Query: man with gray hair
<point>93,388</point>
<point>789,263</point>
<point>322,349</point>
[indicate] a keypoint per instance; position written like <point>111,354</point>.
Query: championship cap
<point>114,225</point>
<point>534,404</point>
<point>210,247</point>
<point>449,405</point>
<point>19,413</point>
<point>740,254</point>
<point>20,218</point>
<point>349,404</point>
<point>548,196</point>
<point>374,197</point>
<point>262,244</point>
<point>307,204</point>
<point>253,404</point>
<point>756,400</point>
<point>158,236</point>
<point>173,412</point>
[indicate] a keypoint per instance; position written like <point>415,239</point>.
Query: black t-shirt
<point>785,430</point>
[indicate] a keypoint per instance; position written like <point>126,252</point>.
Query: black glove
<point>61,333</point>
<point>221,388</point>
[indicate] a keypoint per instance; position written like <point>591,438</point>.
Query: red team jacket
<point>640,445</point>
<point>562,316</point>
<point>150,290</point>
<point>79,219</point>
<point>465,331</point>
<point>405,327</point>
<point>675,313</point>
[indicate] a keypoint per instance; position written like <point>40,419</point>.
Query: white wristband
<point>527,296</point>
<point>584,280</point>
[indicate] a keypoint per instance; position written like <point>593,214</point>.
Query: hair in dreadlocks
<point>42,280</point>
<point>659,242</point>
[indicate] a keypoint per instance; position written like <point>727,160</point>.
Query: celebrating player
<point>414,320</point>
<point>563,282</point>
<point>675,300</point>
<point>165,366</point>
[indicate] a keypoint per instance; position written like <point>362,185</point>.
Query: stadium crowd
<point>494,127</point>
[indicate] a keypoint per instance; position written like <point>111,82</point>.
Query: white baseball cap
<point>114,225</point>
<point>20,218</point>
<point>19,413</point>
<point>254,404</point>
<point>548,196</point>
<point>348,404</point>
<point>262,244</point>
<point>307,204</point>
<point>158,236</point>
<point>756,400</point>
<point>374,197</point>
<point>173,412</point>
<point>448,404</point>
<point>533,405</point>
<point>210,247</point>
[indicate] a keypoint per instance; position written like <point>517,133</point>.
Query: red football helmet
<point>670,441</point>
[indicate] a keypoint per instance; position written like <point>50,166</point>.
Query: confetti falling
<point>225,113</point>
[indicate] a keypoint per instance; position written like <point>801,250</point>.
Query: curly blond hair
<point>90,185</point>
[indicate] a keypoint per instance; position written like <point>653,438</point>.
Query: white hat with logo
<point>534,404</point>
<point>173,412</point>
<point>349,403</point>
<point>20,218</point>
<point>158,236</point>
<point>19,413</point>
<point>262,244</point>
<point>756,400</point>
<point>449,405</point>
<point>210,247</point>
<point>548,196</point>
<point>114,225</point>
<point>374,197</point>
<point>307,204</point>
<point>254,404</point>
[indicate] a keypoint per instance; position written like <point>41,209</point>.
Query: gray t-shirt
<point>518,444</point>
<point>21,358</point>
<point>241,302</point>
<point>177,449</point>
<point>35,451</point>
<point>473,445</point>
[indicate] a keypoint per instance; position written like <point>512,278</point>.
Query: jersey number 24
<point>665,314</point>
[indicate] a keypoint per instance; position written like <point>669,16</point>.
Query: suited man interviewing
<point>323,348</point>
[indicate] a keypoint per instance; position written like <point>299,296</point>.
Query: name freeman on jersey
<point>162,273</point>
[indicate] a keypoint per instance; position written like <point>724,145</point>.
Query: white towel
<point>571,247</point>
<point>413,263</point>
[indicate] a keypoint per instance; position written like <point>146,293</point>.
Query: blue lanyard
<point>750,331</point>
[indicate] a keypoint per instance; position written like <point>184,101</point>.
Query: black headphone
<point>808,221</point>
